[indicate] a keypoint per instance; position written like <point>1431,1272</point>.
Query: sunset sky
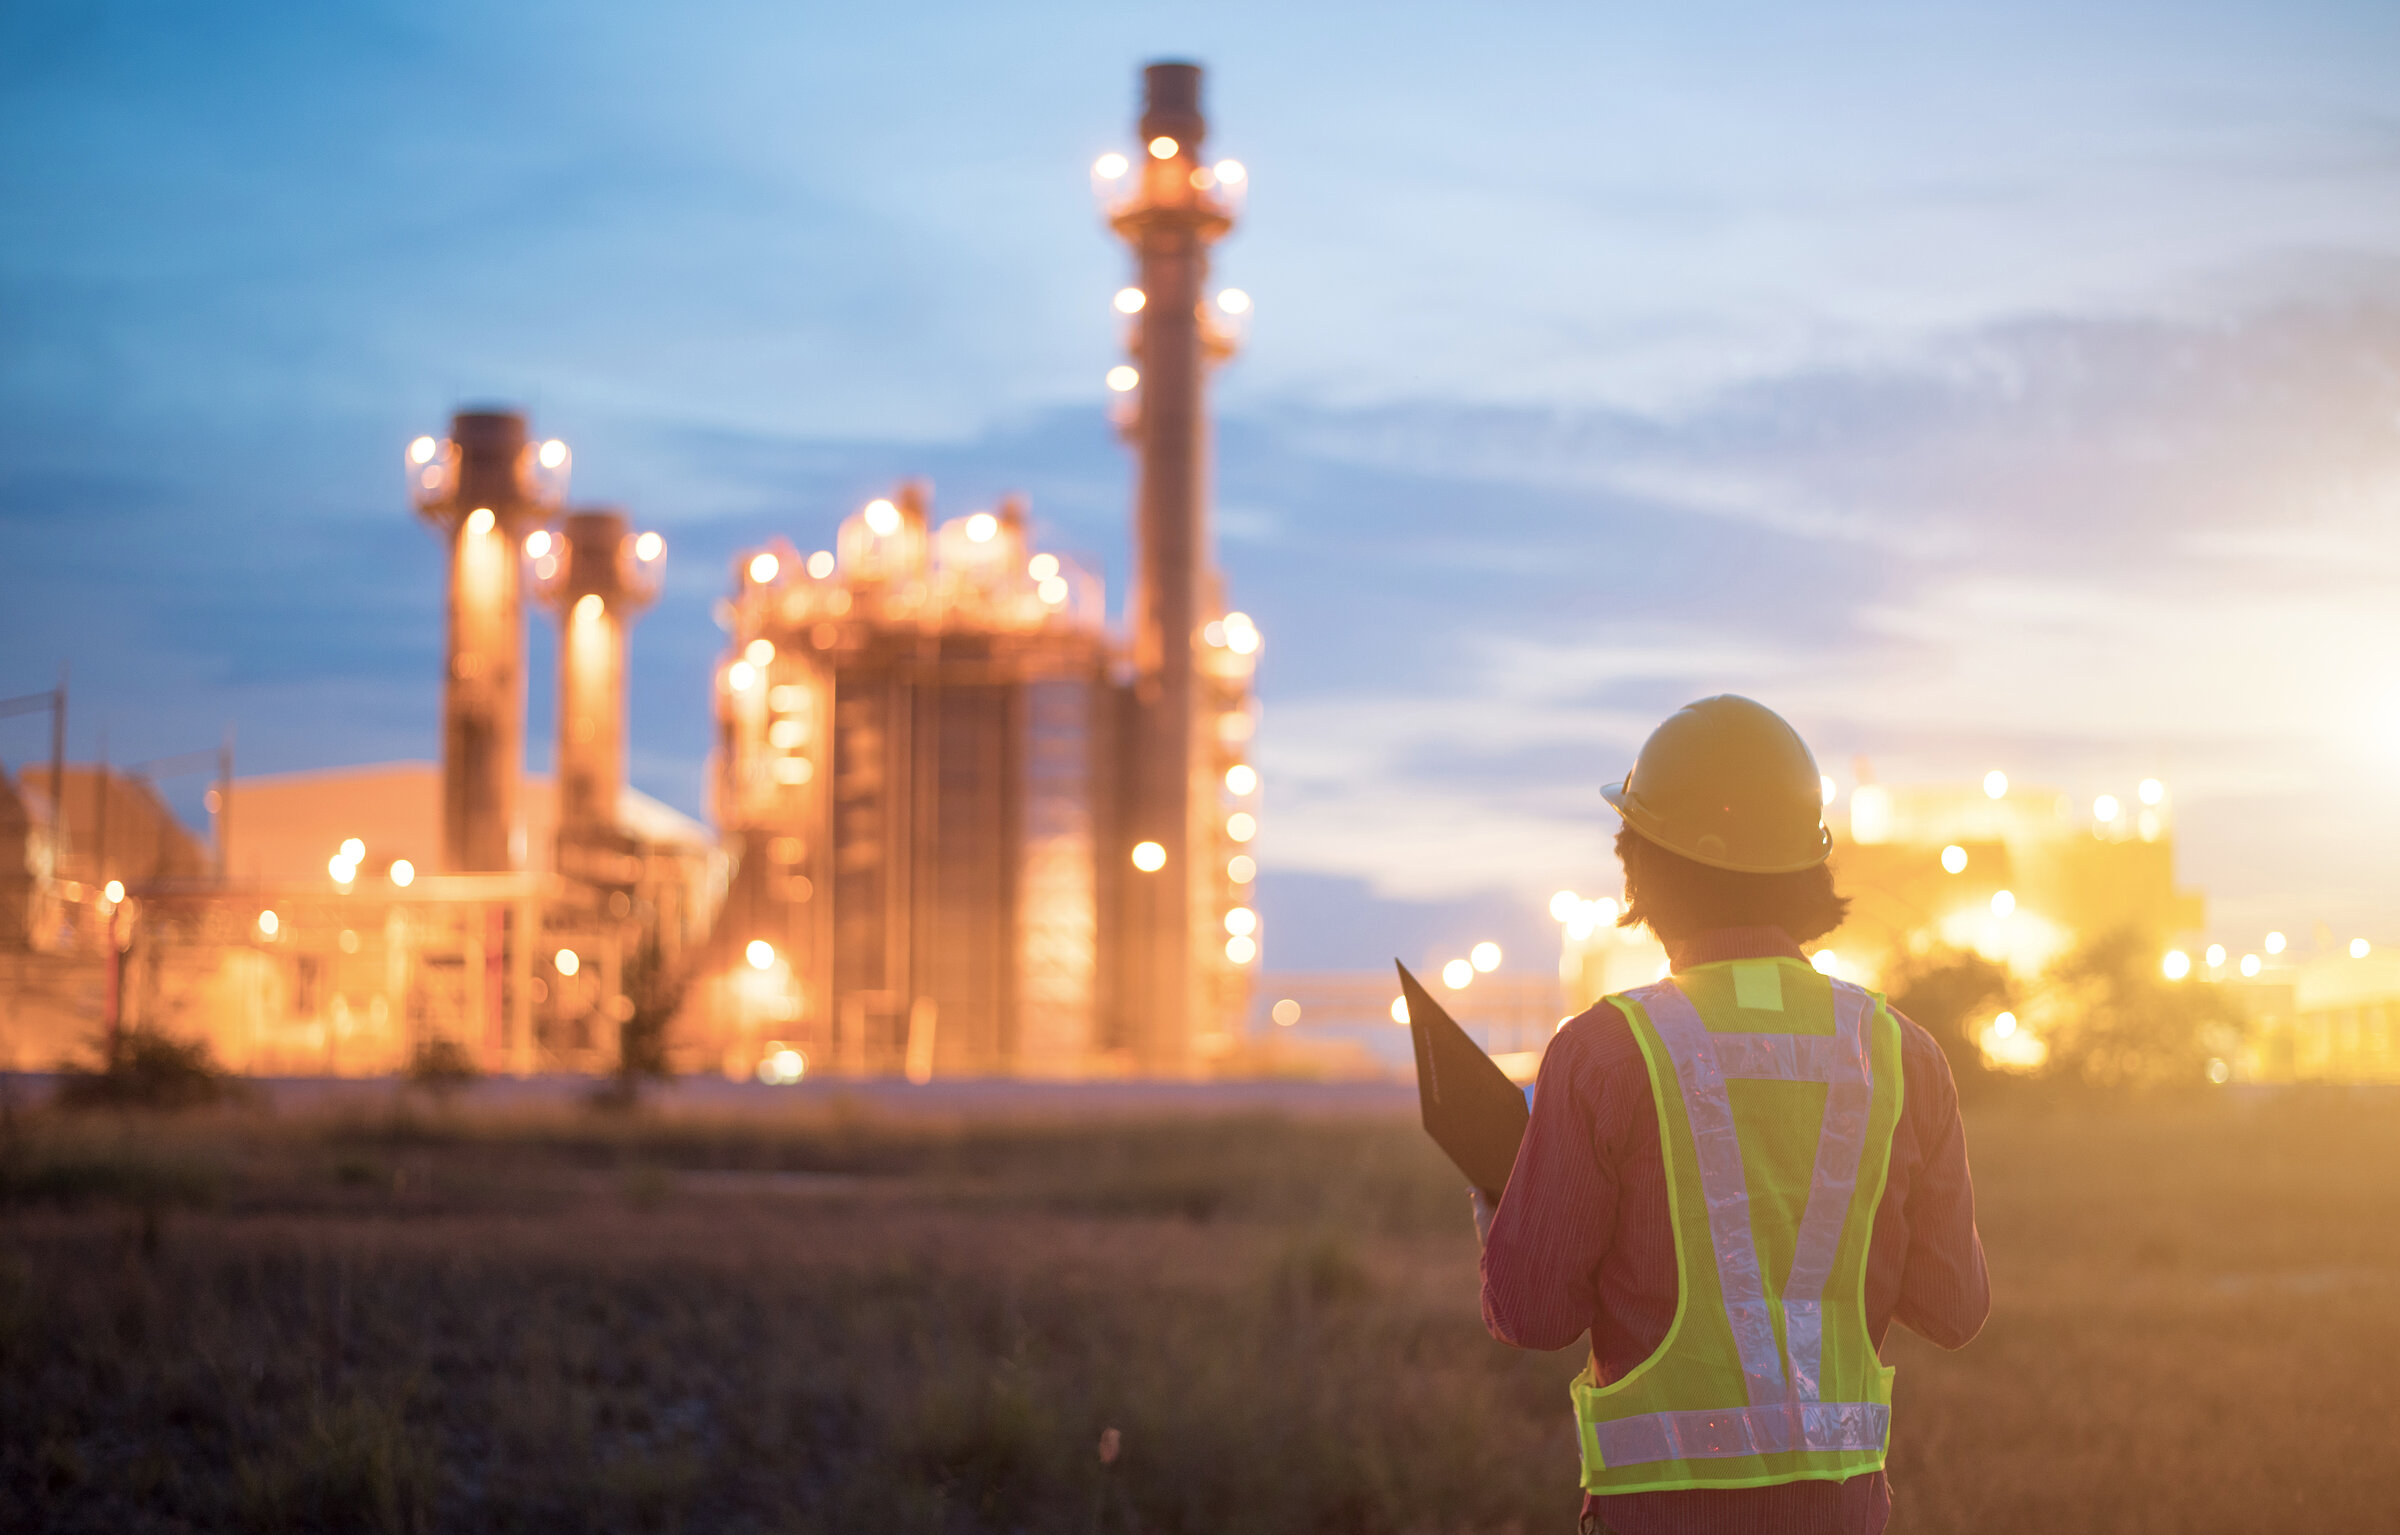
<point>1982,386</point>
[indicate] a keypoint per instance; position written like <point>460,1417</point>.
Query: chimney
<point>1169,219</point>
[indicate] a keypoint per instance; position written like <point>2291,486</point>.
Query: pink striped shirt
<point>1580,1244</point>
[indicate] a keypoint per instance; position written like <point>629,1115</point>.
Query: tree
<point>1952,994</point>
<point>655,989</point>
<point>2112,1019</point>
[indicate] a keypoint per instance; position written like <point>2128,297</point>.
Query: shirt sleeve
<point>1542,1258</point>
<point>1945,1290</point>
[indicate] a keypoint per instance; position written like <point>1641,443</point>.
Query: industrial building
<point>973,831</point>
<point>963,827</point>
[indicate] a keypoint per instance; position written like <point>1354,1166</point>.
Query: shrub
<point>442,1067</point>
<point>1950,993</point>
<point>2112,1020</point>
<point>142,1069</point>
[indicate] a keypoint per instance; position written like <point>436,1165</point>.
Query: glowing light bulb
<point>113,891</point>
<point>1123,377</point>
<point>2104,809</point>
<point>760,953</point>
<point>649,547</point>
<point>1234,301</point>
<point>2176,965</point>
<point>1241,868</point>
<point>740,675</point>
<point>2216,955</point>
<point>1052,592</point>
<point>2275,943</point>
<point>759,652</point>
<point>883,518</point>
<point>2003,902</point>
<point>1995,784</point>
<point>2250,964</point>
<point>1241,778</point>
<point>588,607</point>
<point>1824,961</point>
<point>1149,857</point>
<point>1285,1013</point>
<point>1042,567</point>
<point>479,521</point>
<point>982,528</point>
<point>2004,1025</point>
<point>1484,957</point>
<point>1131,300</point>
<point>820,564</point>
<point>1954,858</point>
<point>1563,905</point>
<point>342,869</point>
<point>1400,1010</point>
<point>1231,172</point>
<point>422,450</point>
<point>268,922</point>
<point>554,453</point>
<point>1458,975</point>
<point>1241,921</point>
<point>1241,826</point>
<point>2152,791</point>
<point>763,568</point>
<point>2360,948</point>
<point>1163,148</point>
<point>353,850</point>
<point>404,873</point>
<point>567,960</point>
<point>1110,166</point>
<point>1241,635</point>
<point>1241,950</point>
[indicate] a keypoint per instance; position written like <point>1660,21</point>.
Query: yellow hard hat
<point>1728,783</point>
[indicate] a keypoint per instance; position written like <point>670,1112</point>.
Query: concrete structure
<point>486,487</point>
<point>1172,210</point>
<point>597,576</point>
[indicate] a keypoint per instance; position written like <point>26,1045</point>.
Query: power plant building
<point>963,828</point>
<point>973,833</point>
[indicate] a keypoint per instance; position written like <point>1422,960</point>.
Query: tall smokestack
<point>599,578</point>
<point>486,487</point>
<point>1171,216</point>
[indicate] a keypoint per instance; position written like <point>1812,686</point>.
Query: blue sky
<point>1982,385</point>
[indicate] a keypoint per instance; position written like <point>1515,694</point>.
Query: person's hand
<point>1483,1216</point>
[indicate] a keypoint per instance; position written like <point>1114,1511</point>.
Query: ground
<point>408,1316</point>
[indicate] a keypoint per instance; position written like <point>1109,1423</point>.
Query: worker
<point>1734,1180</point>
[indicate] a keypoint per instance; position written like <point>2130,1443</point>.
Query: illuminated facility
<point>2019,876</point>
<point>974,832</point>
<point>963,828</point>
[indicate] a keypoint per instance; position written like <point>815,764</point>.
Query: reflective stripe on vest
<point>1785,1414</point>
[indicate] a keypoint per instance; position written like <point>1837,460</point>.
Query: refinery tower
<point>973,831</point>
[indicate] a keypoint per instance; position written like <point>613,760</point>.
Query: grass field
<point>557,1321</point>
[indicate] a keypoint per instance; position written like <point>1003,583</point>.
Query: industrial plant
<point>963,826</point>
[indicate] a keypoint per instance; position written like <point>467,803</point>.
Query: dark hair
<point>1677,898</point>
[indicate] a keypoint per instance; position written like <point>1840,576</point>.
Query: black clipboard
<point>1471,1109</point>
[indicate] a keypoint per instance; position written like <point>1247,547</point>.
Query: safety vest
<point>1777,1093</point>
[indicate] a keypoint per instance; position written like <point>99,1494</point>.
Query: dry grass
<point>583,1322</point>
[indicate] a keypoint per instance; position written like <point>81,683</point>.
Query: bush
<point>442,1066</point>
<point>1950,993</point>
<point>2112,1020</point>
<point>142,1069</point>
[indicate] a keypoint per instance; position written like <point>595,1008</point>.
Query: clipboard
<point>1470,1107</point>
